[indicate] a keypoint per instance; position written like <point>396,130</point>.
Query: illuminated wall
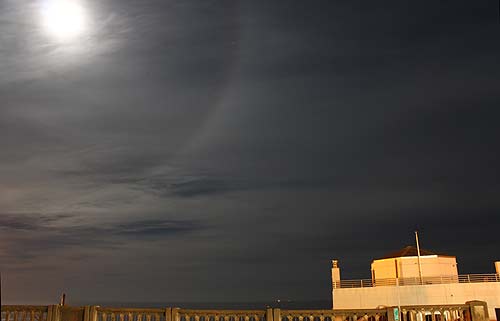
<point>407,267</point>
<point>451,293</point>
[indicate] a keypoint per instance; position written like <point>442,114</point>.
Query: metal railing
<point>465,278</point>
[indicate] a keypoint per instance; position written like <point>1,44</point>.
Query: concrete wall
<point>385,268</point>
<point>454,293</point>
<point>335,276</point>
<point>407,267</point>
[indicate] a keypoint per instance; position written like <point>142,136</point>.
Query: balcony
<point>464,278</point>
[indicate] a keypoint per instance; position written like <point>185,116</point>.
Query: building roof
<point>411,251</point>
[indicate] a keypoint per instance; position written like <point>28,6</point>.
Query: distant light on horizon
<point>64,20</point>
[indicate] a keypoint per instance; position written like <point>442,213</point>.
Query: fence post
<point>90,313</point>
<point>53,313</point>
<point>49,313</point>
<point>276,314</point>
<point>86,313</point>
<point>175,314</point>
<point>269,314</point>
<point>168,314</point>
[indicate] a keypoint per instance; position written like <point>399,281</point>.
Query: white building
<point>404,278</point>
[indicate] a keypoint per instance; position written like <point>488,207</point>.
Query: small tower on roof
<point>335,274</point>
<point>403,264</point>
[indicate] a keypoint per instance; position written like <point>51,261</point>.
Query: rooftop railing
<point>465,278</point>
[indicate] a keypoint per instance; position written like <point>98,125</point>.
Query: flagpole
<point>418,258</point>
<point>397,288</point>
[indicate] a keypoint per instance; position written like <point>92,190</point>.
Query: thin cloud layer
<point>229,150</point>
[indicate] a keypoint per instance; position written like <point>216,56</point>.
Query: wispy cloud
<point>26,236</point>
<point>30,221</point>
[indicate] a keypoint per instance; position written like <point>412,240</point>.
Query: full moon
<point>63,19</point>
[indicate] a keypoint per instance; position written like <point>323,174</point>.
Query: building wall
<point>453,293</point>
<point>407,267</point>
<point>384,269</point>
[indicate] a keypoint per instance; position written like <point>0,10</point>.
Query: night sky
<point>207,150</point>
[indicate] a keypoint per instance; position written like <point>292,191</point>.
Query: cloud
<point>13,222</point>
<point>27,236</point>
<point>30,221</point>
<point>155,228</point>
<point>202,186</point>
<point>192,186</point>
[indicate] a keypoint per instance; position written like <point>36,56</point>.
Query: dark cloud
<point>155,228</point>
<point>12,222</point>
<point>193,186</point>
<point>31,236</point>
<point>202,186</point>
<point>28,222</point>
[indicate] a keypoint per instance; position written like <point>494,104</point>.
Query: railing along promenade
<point>465,278</point>
<point>457,312</point>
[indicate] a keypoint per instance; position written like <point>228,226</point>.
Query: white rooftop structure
<point>406,278</point>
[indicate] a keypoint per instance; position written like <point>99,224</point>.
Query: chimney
<point>335,274</point>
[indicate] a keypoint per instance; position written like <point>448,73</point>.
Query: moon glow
<point>63,20</point>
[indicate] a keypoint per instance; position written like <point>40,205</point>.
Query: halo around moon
<point>63,20</point>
